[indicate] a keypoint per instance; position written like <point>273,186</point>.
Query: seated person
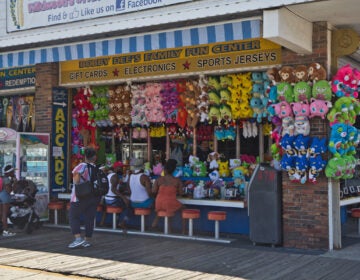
<point>117,197</point>
<point>140,186</point>
<point>167,188</point>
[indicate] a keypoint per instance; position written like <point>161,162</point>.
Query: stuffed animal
<point>287,143</point>
<point>258,108</point>
<point>224,170</point>
<point>302,92</point>
<point>273,75</point>
<point>316,72</point>
<point>318,146</point>
<point>214,83</point>
<point>338,139</point>
<point>287,164</point>
<point>302,125</point>
<point>334,168</point>
<point>288,126</point>
<point>350,164</point>
<point>316,165</point>
<point>225,113</point>
<point>352,140</point>
<point>286,74</point>
<point>319,108</point>
<point>300,108</point>
<point>212,159</point>
<point>301,167</point>
<point>214,115</point>
<point>345,82</point>
<point>302,144</point>
<point>199,169</point>
<point>301,73</point>
<point>282,109</point>
<point>285,92</point>
<point>344,110</point>
<point>322,90</point>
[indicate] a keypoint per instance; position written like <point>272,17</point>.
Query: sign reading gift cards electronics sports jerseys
<point>241,55</point>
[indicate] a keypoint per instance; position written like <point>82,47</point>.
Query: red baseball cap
<point>118,164</point>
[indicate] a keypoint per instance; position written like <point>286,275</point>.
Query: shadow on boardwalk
<point>115,256</point>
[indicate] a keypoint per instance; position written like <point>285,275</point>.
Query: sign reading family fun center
<point>185,60</point>
<point>26,14</point>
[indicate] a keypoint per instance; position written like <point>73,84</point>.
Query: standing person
<point>140,186</point>
<point>86,206</point>
<point>5,199</point>
<point>167,188</point>
<point>117,194</point>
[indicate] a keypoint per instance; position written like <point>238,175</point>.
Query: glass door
<point>33,164</point>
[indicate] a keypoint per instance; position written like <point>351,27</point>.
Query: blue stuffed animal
<point>338,139</point>
<point>287,143</point>
<point>317,146</point>
<point>287,164</point>
<point>316,165</point>
<point>301,144</point>
<point>301,167</point>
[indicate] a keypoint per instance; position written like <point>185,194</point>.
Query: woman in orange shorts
<point>167,188</point>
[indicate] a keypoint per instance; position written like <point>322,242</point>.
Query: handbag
<point>84,190</point>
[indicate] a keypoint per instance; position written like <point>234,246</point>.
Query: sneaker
<point>8,233</point>
<point>86,244</point>
<point>76,243</point>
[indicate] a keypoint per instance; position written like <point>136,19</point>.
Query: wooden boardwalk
<point>115,256</point>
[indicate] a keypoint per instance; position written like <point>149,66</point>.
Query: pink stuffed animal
<point>282,109</point>
<point>319,108</point>
<point>300,108</point>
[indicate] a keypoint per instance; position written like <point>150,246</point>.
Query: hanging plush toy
<point>285,92</point>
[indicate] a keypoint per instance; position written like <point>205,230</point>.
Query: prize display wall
<point>219,127</point>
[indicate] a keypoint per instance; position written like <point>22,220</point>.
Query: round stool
<point>113,210</point>
<point>190,214</point>
<point>142,212</point>
<point>217,216</point>
<point>55,205</point>
<point>166,216</point>
<point>355,213</point>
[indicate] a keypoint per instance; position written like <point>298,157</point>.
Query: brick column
<point>305,206</point>
<point>47,77</point>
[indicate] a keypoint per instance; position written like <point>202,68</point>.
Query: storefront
<point>201,57</point>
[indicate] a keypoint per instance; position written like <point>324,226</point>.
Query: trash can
<point>265,205</point>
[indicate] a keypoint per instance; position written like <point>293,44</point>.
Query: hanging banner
<point>172,62</point>
<point>20,77</point>
<point>26,14</point>
<point>59,155</point>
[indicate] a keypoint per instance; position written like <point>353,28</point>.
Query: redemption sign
<point>185,60</point>
<point>13,78</point>
<point>26,14</point>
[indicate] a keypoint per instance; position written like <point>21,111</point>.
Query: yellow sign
<point>171,62</point>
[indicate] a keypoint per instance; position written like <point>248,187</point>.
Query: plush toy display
<point>319,108</point>
<point>322,90</point>
<point>286,74</point>
<point>345,82</point>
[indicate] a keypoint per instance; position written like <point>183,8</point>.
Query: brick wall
<point>305,207</point>
<point>47,76</point>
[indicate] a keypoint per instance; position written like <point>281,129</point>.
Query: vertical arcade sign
<point>59,140</point>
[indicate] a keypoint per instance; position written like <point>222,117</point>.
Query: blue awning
<point>191,36</point>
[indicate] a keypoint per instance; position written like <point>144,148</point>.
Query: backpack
<point>100,180</point>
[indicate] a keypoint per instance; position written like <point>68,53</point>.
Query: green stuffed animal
<point>335,168</point>
<point>322,90</point>
<point>285,92</point>
<point>214,115</point>
<point>302,92</point>
<point>225,113</point>
<point>345,110</point>
<point>214,83</point>
<point>214,97</point>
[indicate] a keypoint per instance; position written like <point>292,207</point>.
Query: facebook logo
<point>120,5</point>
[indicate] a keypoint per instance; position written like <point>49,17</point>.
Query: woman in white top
<point>140,186</point>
